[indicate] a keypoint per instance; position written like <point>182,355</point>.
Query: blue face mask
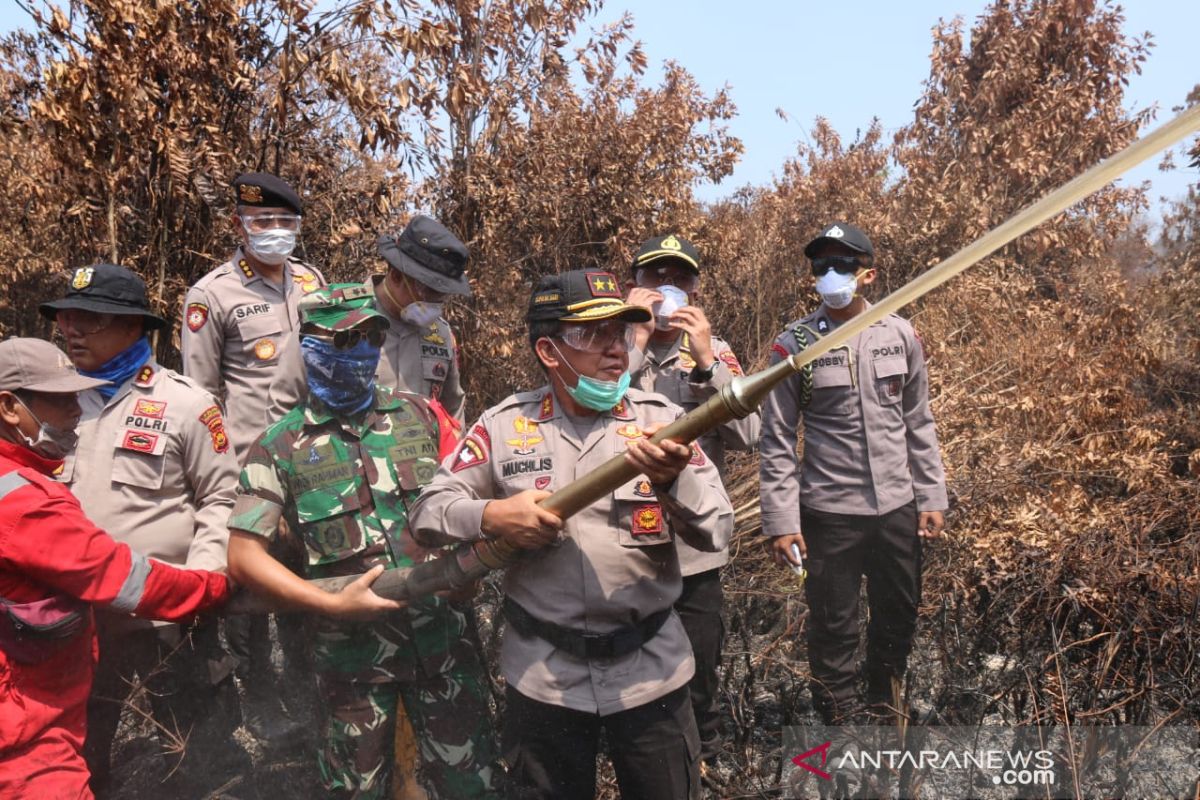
<point>596,394</point>
<point>344,380</point>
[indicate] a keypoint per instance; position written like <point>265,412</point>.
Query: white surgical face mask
<point>51,442</point>
<point>421,314</point>
<point>836,289</point>
<point>272,246</point>
<point>674,299</point>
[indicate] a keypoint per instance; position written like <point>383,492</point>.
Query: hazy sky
<point>851,61</point>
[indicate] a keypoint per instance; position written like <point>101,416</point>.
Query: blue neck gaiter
<point>121,367</point>
<point>344,380</point>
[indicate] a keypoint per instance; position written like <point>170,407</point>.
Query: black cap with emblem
<point>845,234</point>
<point>263,190</point>
<point>582,296</point>
<point>660,250</point>
<point>105,289</point>
<point>428,251</point>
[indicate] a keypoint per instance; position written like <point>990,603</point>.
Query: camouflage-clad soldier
<point>593,643</point>
<point>427,265</point>
<point>342,469</point>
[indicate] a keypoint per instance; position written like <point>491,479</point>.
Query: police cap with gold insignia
<point>842,233</point>
<point>428,251</point>
<point>660,250</point>
<point>105,289</point>
<point>582,296</point>
<point>263,190</point>
<point>340,307</point>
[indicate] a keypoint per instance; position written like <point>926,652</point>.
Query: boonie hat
<point>105,289</point>
<point>340,307</point>
<point>845,234</point>
<point>582,296</point>
<point>263,190</point>
<point>662,249</point>
<point>35,365</point>
<point>429,252</point>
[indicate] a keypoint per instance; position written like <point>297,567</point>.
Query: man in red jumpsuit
<point>54,565</point>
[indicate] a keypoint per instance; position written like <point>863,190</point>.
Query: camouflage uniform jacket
<point>869,440</point>
<point>344,486</point>
<point>239,341</point>
<point>423,361</point>
<point>616,562</point>
<point>670,376</point>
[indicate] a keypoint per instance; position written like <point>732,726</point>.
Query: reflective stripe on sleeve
<point>10,483</point>
<point>135,583</point>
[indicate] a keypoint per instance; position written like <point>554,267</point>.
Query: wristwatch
<point>698,375</point>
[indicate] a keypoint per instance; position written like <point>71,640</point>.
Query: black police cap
<point>842,233</point>
<point>659,250</point>
<point>263,190</point>
<point>582,296</point>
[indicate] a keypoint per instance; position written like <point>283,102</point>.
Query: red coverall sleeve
<point>72,554</point>
<point>449,429</point>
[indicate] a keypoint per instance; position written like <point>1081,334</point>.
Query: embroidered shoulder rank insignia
<point>245,267</point>
<point>547,409</point>
<point>144,375</point>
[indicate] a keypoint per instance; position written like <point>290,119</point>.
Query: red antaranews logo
<point>823,749</point>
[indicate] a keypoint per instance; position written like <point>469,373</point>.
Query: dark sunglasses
<point>349,339</point>
<point>845,265</point>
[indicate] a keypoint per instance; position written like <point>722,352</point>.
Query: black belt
<point>583,644</point>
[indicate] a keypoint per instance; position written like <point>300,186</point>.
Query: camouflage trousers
<point>449,714</point>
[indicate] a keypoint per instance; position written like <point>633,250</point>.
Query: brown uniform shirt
<point>240,342</point>
<point>421,361</point>
<point>869,440</point>
<point>615,564</point>
<point>154,468</point>
<point>669,375</point>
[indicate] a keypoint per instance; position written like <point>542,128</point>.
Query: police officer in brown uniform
<point>871,486</point>
<point>677,356</point>
<point>153,466</point>
<point>240,341</point>
<point>593,641</point>
<point>427,265</point>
